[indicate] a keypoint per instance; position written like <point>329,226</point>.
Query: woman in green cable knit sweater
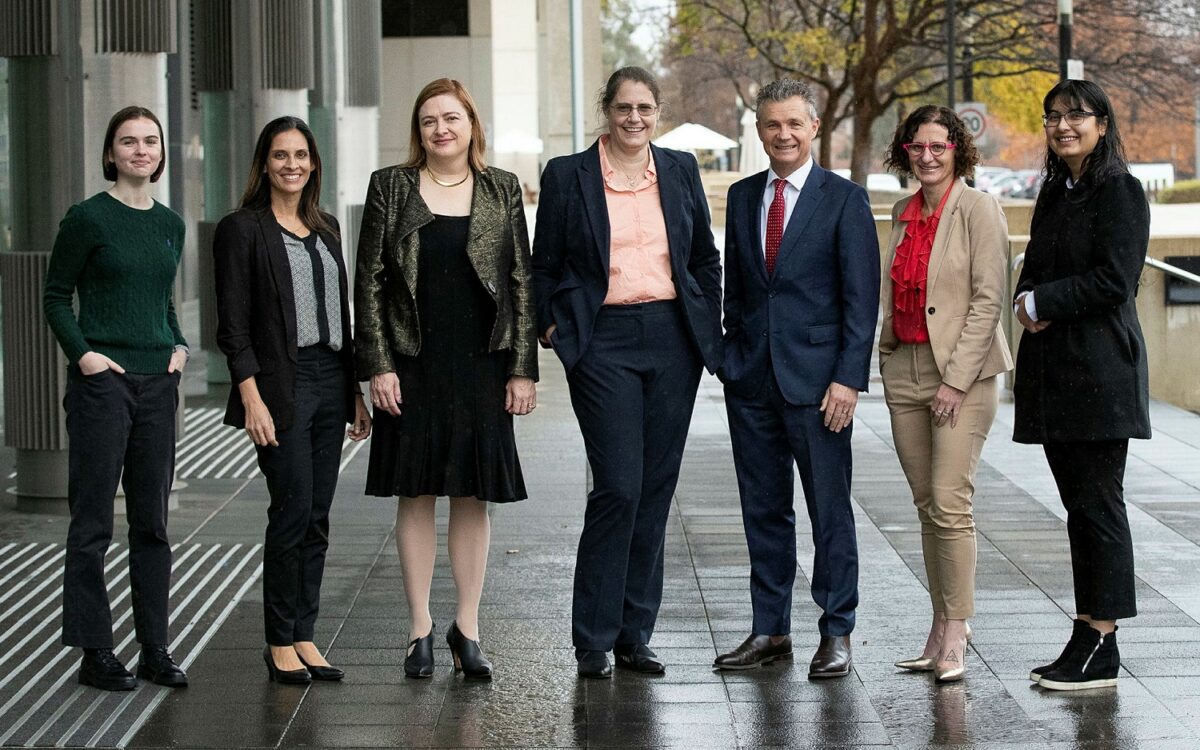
<point>118,251</point>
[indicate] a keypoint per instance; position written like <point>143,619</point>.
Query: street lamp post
<point>1064,37</point>
<point>951,74</point>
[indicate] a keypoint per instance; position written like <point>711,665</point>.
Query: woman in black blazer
<point>627,280</point>
<point>1081,382</point>
<point>283,322</point>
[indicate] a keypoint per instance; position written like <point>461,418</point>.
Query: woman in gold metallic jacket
<point>445,333</point>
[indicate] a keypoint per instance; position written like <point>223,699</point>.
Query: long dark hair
<point>1108,158</point>
<point>258,187</point>
<point>120,118</point>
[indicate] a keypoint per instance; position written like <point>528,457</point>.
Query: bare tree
<point>864,56</point>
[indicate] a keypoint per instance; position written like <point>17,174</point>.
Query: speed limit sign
<point>974,116</point>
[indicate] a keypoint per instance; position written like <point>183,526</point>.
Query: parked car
<point>991,179</point>
<point>876,180</point>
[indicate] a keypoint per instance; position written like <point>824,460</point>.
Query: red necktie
<point>775,225</point>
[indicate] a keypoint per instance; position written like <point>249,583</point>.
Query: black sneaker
<point>1096,665</point>
<point>157,666</point>
<point>1080,629</point>
<point>101,668</point>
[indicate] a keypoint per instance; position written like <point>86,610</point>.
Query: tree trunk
<point>860,154</point>
<point>828,123</point>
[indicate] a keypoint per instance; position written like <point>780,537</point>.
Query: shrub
<point>1187,191</point>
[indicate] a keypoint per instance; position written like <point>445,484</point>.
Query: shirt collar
<point>608,171</point>
<point>796,179</point>
<point>912,212</point>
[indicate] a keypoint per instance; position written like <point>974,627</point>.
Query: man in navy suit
<point>801,303</point>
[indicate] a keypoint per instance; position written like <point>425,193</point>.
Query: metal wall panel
<point>363,53</point>
<point>28,28</point>
<point>34,369</point>
<point>135,26</point>
<point>212,45</point>
<point>287,44</point>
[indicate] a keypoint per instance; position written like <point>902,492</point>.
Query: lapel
<point>591,185</point>
<point>670,195</point>
<point>486,213</point>
<point>806,205</point>
<point>756,185</point>
<point>281,270</point>
<point>941,238</point>
<point>414,214</point>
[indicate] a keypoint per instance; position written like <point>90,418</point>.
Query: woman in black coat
<point>1081,385</point>
<point>283,322</point>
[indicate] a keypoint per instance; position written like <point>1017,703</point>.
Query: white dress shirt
<point>791,194</point>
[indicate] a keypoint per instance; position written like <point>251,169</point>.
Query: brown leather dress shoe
<point>832,658</point>
<point>755,651</point>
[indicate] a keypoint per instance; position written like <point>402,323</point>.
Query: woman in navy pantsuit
<point>627,279</point>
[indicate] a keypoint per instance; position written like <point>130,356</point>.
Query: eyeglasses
<point>625,110</point>
<point>1075,117</point>
<point>937,148</point>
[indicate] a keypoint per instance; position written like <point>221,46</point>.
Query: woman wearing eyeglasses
<point>1081,386</point>
<point>940,351</point>
<point>628,286</point>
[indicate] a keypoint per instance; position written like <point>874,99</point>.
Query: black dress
<point>453,437</point>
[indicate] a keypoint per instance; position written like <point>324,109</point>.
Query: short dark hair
<point>621,75</point>
<point>120,118</point>
<point>1108,158</point>
<point>258,187</point>
<point>966,156</point>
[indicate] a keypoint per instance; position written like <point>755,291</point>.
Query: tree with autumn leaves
<point>863,57</point>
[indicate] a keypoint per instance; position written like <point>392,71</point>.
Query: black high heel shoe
<point>284,676</point>
<point>419,663</point>
<point>326,673</point>
<point>468,657</point>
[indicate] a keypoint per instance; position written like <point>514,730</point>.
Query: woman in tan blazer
<point>940,351</point>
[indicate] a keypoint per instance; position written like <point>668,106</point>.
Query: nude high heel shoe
<point>925,663</point>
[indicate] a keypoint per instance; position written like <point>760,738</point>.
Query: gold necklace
<point>433,177</point>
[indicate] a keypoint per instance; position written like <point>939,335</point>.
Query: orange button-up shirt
<point>639,258</point>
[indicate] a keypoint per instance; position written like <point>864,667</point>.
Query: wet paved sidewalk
<point>535,700</point>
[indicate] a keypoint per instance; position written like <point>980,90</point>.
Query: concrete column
<point>64,86</point>
<point>516,143</point>
<point>259,58</point>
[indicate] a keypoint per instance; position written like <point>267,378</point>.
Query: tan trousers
<point>940,464</point>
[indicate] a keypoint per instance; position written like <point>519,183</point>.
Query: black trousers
<point>1090,476</point>
<point>633,393</point>
<point>121,429</point>
<point>302,474</point>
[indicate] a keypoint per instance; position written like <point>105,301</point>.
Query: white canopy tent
<point>753,158</point>
<point>692,137</point>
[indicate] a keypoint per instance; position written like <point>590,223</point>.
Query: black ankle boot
<point>102,669</point>
<point>157,666</point>
<point>419,663</point>
<point>1095,665</point>
<point>1079,630</point>
<point>468,657</point>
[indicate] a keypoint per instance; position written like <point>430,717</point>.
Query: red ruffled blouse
<point>910,270</point>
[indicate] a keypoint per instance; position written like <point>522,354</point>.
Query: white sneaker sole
<point>1089,685</point>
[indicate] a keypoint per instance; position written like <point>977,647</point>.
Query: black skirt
<point>453,437</point>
